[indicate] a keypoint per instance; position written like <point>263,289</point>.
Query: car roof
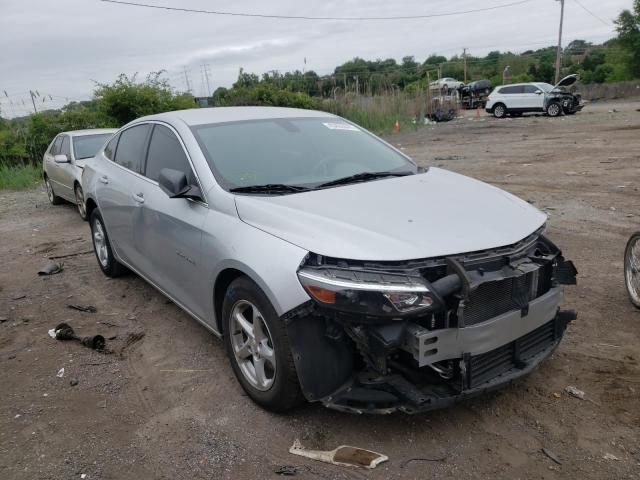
<point>89,131</point>
<point>202,116</point>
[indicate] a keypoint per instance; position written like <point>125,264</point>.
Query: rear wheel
<point>80,203</point>
<point>102,248</point>
<point>500,110</point>
<point>53,198</point>
<point>632,268</point>
<point>258,347</point>
<point>554,109</point>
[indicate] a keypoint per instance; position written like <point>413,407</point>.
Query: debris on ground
<point>610,456</point>
<point>422,459</point>
<point>60,373</point>
<point>3,319</point>
<point>286,470</point>
<point>51,268</point>
<point>551,455</point>
<point>343,455</point>
<point>82,308</point>
<point>449,157</point>
<point>73,382</point>
<point>65,332</point>
<point>574,392</point>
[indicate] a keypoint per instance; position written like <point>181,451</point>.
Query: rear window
<point>86,146</point>
<point>132,147</point>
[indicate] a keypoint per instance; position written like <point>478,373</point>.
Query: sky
<point>61,48</point>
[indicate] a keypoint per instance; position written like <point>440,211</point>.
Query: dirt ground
<point>165,403</point>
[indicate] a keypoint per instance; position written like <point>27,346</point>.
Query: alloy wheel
<point>632,270</point>
<point>49,189</point>
<point>252,345</point>
<point>100,243</point>
<point>80,202</point>
<point>553,110</point>
<point>499,111</point>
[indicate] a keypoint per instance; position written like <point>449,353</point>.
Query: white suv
<point>520,98</point>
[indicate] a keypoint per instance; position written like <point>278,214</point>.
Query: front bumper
<point>496,328</point>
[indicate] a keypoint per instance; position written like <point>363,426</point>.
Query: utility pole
<point>464,57</point>
<point>559,54</point>
<point>205,72</point>
<point>439,71</point>
<point>33,101</point>
<point>186,79</point>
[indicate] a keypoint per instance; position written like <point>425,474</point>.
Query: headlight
<point>369,293</point>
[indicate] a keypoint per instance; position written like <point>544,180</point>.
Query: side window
<point>530,89</point>
<point>65,148</point>
<point>55,148</point>
<point>132,147</point>
<point>165,151</point>
<point>110,149</point>
<point>512,89</point>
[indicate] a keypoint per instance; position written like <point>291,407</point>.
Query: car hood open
<point>432,214</point>
<point>567,81</point>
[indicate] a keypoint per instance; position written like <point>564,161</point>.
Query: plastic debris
<point>87,309</point>
<point>610,456</point>
<point>51,268</point>
<point>344,455</point>
<point>551,455</point>
<point>286,470</point>
<point>60,373</point>
<point>52,333</point>
<point>73,382</point>
<point>574,392</point>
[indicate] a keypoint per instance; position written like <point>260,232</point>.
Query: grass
<point>19,177</point>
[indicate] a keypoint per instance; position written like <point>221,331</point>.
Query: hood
<point>567,81</point>
<point>431,214</point>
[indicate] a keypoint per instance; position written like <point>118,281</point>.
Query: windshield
<point>86,146</point>
<point>305,152</point>
<point>545,87</point>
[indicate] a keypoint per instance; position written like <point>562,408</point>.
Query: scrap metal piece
<point>344,455</point>
<point>64,332</point>
<point>51,268</point>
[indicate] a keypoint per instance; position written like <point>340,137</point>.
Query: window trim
<point>67,137</point>
<point>147,179</point>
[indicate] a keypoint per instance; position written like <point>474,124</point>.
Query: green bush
<point>20,176</point>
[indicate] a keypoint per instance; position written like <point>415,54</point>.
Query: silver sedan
<point>64,160</point>
<point>335,269</point>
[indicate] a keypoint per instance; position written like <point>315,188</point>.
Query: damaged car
<point>519,98</point>
<point>335,269</point>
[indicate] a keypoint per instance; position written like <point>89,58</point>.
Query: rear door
<point>514,97</point>
<point>120,183</point>
<point>168,237</point>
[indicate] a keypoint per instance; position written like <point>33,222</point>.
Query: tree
<point>126,99</point>
<point>628,27</point>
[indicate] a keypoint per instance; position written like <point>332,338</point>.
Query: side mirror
<point>174,183</point>
<point>61,159</point>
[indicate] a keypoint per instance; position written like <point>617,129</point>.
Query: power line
<point>592,14</point>
<point>302,17</point>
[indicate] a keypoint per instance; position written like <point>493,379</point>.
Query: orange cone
<point>396,127</point>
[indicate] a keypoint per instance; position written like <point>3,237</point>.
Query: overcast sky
<point>60,47</point>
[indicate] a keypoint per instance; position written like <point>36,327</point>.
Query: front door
<point>168,238</point>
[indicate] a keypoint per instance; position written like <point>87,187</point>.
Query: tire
<point>102,247</point>
<point>632,268</point>
<point>80,203</point>
<point>275,386</point>
<point>500,110</point>
<point>53,198</point>
<point>554,109</point>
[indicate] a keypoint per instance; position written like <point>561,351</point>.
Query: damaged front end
<point>420,335</point>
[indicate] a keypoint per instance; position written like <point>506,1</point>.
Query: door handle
<point>138,197</point>
<point>104,180</point>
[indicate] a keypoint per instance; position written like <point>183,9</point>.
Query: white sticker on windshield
<point>341,126</point>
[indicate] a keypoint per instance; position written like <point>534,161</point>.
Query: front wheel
<point>632,268</point>
<point>554,109</point>
<point>80,203</point>
<point>258,347</point>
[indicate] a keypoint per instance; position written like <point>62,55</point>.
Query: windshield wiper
<point>269,188</point>
<point>362,177</point>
